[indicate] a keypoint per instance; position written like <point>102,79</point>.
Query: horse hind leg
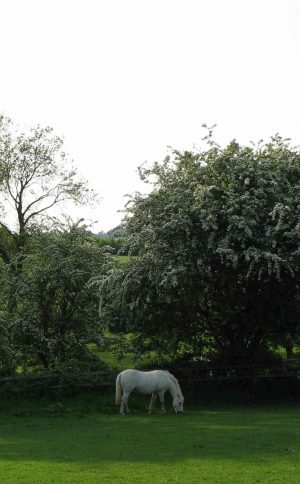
<point>124,404</point>
<point>122,407</point>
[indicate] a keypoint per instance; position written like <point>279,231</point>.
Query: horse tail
<point>118,389</point>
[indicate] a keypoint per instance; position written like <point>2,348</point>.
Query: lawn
<point>86,441</point>
<point>127,361</point>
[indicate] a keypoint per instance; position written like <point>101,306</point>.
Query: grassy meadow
<point>85,440</point>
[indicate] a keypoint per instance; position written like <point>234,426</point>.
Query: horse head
<point>178,404</point>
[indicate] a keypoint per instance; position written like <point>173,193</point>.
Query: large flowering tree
<point>217,254</point>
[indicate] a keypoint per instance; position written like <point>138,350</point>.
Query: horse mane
<point>172,377</point>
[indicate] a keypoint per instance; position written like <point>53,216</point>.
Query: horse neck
<point>173,389</point>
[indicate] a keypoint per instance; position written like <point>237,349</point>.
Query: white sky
<point>122,79</point>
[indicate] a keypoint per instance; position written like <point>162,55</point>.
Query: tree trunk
<point>289,350</point>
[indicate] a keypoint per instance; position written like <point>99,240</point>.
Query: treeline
<point>116,243</point>
<point>216,266</point>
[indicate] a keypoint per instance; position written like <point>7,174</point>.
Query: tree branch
<point>33,214</point>
<point>10,192</point>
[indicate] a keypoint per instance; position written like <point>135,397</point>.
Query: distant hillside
<point>115,233</point>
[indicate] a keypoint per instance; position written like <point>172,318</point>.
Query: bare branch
<point>55,201</point>
<point>39,199</point>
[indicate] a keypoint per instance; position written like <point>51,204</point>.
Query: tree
<point>35,177</point>
<point>218,253</point>
<point>57,310</point>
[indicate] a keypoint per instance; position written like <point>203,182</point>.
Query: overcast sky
<point>122,79</point>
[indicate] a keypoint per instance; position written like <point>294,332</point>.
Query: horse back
<point>144,381</point>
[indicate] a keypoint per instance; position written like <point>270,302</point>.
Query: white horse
<point>156,382</point>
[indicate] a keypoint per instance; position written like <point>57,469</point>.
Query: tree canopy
<point>57,312</point>
<point>35,176</point>
<point>217,244</point>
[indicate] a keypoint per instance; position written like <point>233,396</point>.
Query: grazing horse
<point>155,382</point>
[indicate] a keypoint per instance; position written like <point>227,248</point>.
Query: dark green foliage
<point>48,310</point>
<point>217,272</point>
<point>56,384</point>
<point>8,354</point>
<point>57,310</point>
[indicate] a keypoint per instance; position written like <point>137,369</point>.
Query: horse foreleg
<point>162,401</point>
<point>153,398</point>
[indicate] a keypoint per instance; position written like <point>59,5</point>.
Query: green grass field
<point>86,441</point>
